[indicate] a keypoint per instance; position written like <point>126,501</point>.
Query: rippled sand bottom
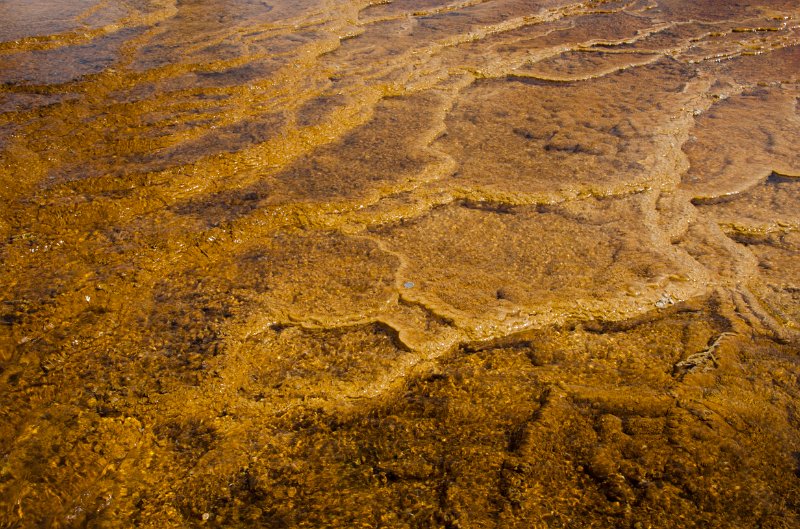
<point>403,264</point>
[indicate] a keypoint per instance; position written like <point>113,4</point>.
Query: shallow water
<point>400,264</point>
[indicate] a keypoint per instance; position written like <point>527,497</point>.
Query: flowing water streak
<point>476,263</point>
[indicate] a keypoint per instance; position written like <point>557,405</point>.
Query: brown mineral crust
<point>403,264</point>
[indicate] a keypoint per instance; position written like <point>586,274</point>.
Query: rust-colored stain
<point>399,264</point>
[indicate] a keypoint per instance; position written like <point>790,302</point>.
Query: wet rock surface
<point>399,264</point>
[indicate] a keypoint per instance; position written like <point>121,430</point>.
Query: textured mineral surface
<point>399,264</point>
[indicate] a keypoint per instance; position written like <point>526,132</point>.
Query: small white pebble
<point>664,301</point>
<point>87,298</point>
<point>206,516</point>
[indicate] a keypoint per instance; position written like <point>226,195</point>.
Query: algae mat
<point>399,264</point>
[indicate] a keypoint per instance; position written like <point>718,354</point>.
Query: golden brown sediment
<point>401,264</point>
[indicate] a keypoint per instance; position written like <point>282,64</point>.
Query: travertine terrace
<point>404,264</point>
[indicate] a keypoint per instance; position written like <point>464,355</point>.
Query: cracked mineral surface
<point>399,264</point>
